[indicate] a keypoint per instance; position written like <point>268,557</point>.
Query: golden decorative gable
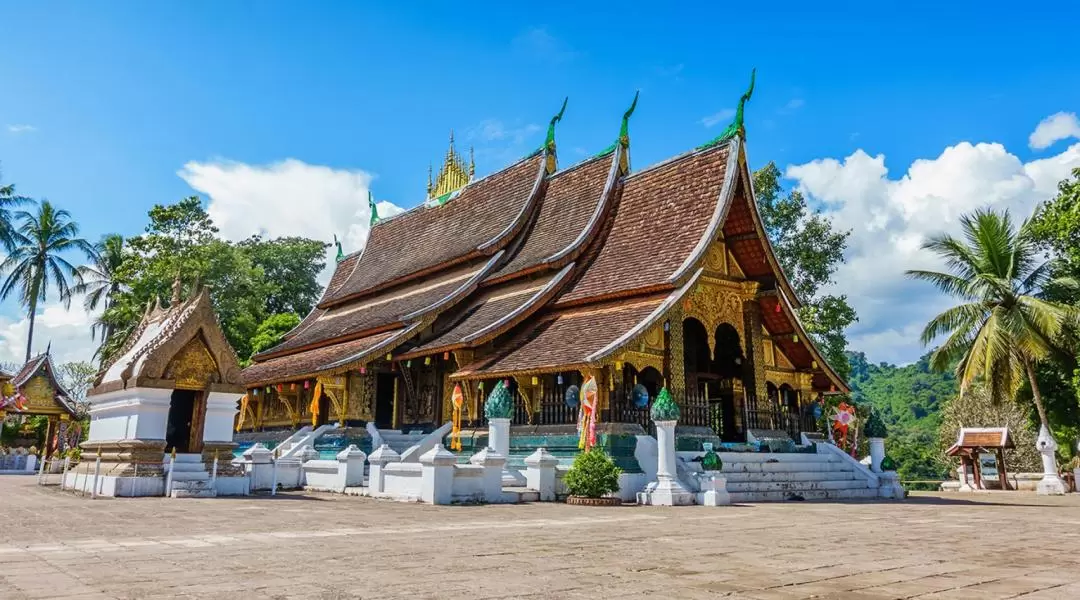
<point>453,175</point>
<point>193,367</point>
<point>40,395</point>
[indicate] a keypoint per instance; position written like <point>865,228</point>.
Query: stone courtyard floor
<point>1004,545</point>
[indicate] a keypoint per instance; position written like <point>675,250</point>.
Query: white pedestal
<point>666,490</point>
<point>1050,484</point>
<point>713,490</point>
<point>540,473</point>
<point>877,453</point>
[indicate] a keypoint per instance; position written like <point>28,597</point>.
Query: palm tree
<point>1003,326</point>
<point>35,262</point>
<point>99,282</point>
<point>8,200</point>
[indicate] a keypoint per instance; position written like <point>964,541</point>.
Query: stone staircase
<point>400,441</point>
<point>784,477</point>
<point>189,477</point>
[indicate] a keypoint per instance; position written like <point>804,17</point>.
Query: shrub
<point>592,475</point>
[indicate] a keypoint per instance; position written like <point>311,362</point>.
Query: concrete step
<point>784,467</point>
<point>796,486</point>
<point>764,457</point>
<point>191,476</point>
<point>764,477</point>
<point>187,467</point>
<point>189,457</point>
<point>521,494</point>
<point>785,496</point>
<point>193,489</point>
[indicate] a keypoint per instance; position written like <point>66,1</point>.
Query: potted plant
<point>593,475</point>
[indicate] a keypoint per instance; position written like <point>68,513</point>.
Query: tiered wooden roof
<point>181,346</point>
<point>559,268</point>
<point>37,381</point>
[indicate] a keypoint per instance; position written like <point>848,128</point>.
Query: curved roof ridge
<point>679,157</point>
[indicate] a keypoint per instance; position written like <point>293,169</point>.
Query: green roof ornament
<point>373,209</point>
<point>624,134</point>
<point>549,139</point>
<point>340,254</point>
<point>736,127</point>
<point>499,404</point>
<point>664,407</point>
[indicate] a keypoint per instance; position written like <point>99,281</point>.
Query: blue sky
<point>106,105</point>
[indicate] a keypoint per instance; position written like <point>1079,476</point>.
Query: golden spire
<point>453,175</point>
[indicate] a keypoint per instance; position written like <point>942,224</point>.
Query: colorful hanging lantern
<point>363,370</point>
<point>243,412</point>
<point>307,383</point>
<point>255,391</point>
<point>427,360</point>
<point>558,379</point>
<point>618,365</point>
<point>292,386</point>
<point>813,364</point>
<point>457,399</point>
<point>795,338</point>
<point>408,363</point>
<point>279,388</point>
<point>389,356</point>
<point>315,404</point>
<point>446,356</point>
<point>777,309</point>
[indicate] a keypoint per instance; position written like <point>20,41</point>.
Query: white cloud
<point>16,129</point>
<point>1056,127</point>
<point>67,330</point>
<point>794,104</point>
<point>718,117</point>
<point>890,218</point>
<point>287,198</point>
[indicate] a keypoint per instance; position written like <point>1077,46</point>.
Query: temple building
<point>539,276</point>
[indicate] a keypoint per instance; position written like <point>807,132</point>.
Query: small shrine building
<point>35,390</point>
<point>541,275</point>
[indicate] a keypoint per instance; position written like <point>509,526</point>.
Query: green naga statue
<point>736,127</point>
<point>372,208</point>
<point>340,254</point>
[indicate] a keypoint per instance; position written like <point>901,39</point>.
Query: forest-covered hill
<point>910,399</point>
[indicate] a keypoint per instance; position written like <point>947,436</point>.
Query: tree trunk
<point>30,334</point>
<point>1036,395</point>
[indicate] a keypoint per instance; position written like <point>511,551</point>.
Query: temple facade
<point>540,276</point>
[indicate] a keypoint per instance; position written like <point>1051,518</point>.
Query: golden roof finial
<point>453,175</point>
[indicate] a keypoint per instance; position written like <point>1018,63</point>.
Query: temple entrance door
<point>182,407</point>
<point>729,430</point>
<point>324,410</point>
<point>384,400</point>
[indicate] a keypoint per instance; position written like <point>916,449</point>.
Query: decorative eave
<point>793,317</point>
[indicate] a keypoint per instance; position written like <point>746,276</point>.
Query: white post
<point>97,473</point>
<point>1050,484</point>
<point>667,490</point>
<point>437,475</point>
<point>213,473</point>
<point>134,479</point>
<point>378,460</point>
<point>492,463</point>
<point>540,473</point>
<point>877,453</point>
<point>351,467</point>
<point>63,475</point>
<point>273,478</point>
<point>169,477</point>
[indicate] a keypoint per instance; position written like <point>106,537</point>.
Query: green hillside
<point>910,399</point>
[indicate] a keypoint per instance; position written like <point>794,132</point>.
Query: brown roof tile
<point>565,339</point>
<point>311,362</point>
<point>387,308</point>
<point>569,204</point>
<point>485,211</point>
<point>661,217</point>
<point>494,311</point>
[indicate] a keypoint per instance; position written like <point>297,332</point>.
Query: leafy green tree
<point>975,409</point>
<point>1003,327</point>
<point>271,330</point>
<point>35,263</point>
<point>99,282</point>
<point>291,266</point>
<point>809,250</point>
<point>8,201</point>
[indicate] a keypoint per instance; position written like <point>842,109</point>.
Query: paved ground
<point>55,545</point>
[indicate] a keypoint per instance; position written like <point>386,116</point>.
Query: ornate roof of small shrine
<point>977,438</point>
<point>37,381</point>
<point>178,347</point>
